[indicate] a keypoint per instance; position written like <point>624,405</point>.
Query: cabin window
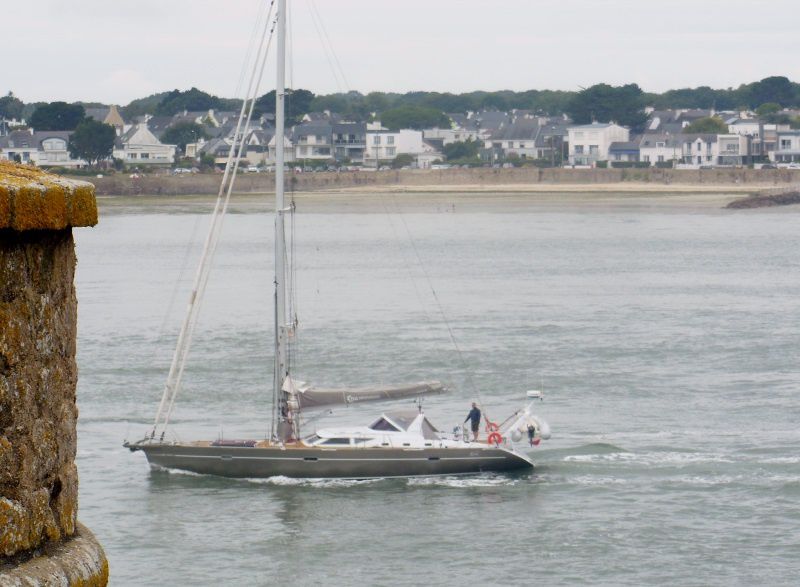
<point>338,441</point>
<point>384,424</point>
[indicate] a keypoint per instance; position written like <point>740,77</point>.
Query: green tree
<point>141,106</point>
<point>402,160</point>
<point>57,116</point>
<point>708,125</point>
<point>298,103</point>
<point>92,141</point>
<point>771,89</point>
<point>417,117</point>
<point>193,100</point>
<point>11,106</point>
<point>768,108</point>
<point>461,150</point>
<point>603,103</point>
<point>182,133</point>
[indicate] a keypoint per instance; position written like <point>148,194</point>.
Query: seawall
<point>186,184</point>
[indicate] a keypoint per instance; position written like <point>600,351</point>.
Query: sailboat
<point>399,443</point>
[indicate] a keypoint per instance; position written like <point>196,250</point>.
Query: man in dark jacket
<point>474,417</point>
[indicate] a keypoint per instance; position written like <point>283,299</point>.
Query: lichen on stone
<point>32,199</point>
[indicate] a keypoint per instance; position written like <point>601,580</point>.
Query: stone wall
<point>38,373</point>
<point>186,184</point>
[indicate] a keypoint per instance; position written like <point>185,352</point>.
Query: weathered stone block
<point>38,373</point>
<point>31,199</point>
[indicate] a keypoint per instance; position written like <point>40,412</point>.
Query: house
<point>20,146</point>
<point>384,145</point>
<point>660,148</point>
<point>430,154</point>
<point>552,139</point>
<point>589,143</point>
<point>107,115</point>
<point>733,149</point>
<point>313,141</point>
<point>517,139</point>
<point>627,151</point>
<point>288,150</point>
<point>139,146</point>
<point>446,136</point>
<point>699,150</point>
<point>256,148</point>
<point>787,149</point>
<point>43,148</point>
<point>349,141</point>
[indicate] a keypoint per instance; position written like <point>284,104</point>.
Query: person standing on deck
<point>474,417</point>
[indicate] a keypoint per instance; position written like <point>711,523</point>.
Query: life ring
<point>495,438</point>
<point>491,426</point>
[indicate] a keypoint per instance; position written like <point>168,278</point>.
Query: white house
<point>787,149</point>
<point>288,150</point>
<point>138,146</point>
<point>385,145</point>
<point>446,136</point>
<point>734,149</point>
<point>313,141</point>
<point>699,150</point>
<point>589,143</point>
<point>516,139</point>
<point>660,148</point>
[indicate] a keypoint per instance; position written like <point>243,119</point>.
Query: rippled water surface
<point>666,339</point>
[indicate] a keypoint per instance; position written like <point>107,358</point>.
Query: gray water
<point>665,338</point>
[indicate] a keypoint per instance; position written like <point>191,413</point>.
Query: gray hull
<point>341,463</point>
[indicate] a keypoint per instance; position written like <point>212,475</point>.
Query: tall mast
<point>284,429</point>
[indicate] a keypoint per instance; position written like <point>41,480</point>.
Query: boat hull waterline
<point>340,463</point>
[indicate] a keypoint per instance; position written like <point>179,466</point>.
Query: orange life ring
<point>491,426</point>
<point>495,438</point>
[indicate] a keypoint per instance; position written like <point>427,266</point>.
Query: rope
<point>181,354</point>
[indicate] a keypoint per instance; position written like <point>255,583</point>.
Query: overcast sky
<point>117,51</point>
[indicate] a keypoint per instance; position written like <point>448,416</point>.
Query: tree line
<point>417,110</point>
<point>602,102</point>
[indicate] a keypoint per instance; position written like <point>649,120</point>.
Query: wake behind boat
<point>398,444</point>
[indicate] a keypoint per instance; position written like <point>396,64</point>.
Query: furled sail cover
<point>308,396</point>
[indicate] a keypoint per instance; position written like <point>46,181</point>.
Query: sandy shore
<point>574,188</point>
<point>497,199</point>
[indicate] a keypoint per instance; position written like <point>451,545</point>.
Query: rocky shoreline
<point>766,200</point>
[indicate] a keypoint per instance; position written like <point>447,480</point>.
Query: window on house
<point>145,156</point>
<point>660,145</point>
<point>646,158</point>
<point>660,159</point>
<point>699,146</point>
<point>376,140</point>
<point>786,144</point>
<point>593,149</point>
<point>579,149</point>
<point>390,151</point>
<point>390,140</point>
